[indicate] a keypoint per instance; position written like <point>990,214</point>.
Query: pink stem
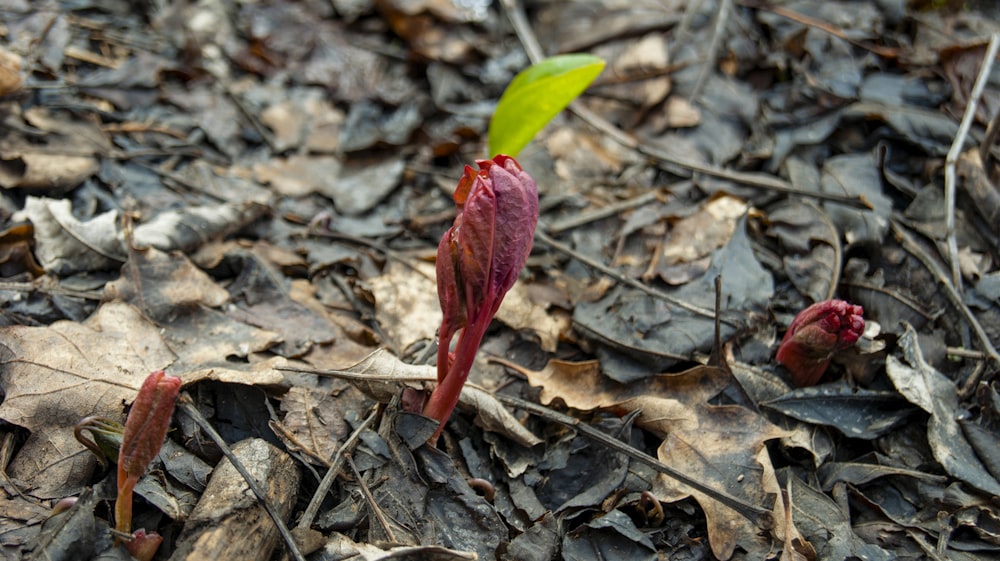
<point>123,505</point>
<point>444,398</point>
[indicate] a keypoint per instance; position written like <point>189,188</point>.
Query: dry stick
<point>913,247</point>
<point>541,236</point>
<point>759,516</point>
<point>916,307</point>
<point>713,48</point>
<point>955,151</point>
<point>187,405</point>
<point>372,504</point>
<point>821,25</point>
<point>584,218</point>
<point>331,474</point>
<point>535,54</point>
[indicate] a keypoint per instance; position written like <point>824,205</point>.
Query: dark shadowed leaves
<point>857,413</point>
<point>648,334</point>
<point>930,390</point>
<point>826,525</point>
<point>612,537</point>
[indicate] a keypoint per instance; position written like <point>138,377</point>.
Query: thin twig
<point>916,307</point>
<point>584,218</point>
<point>713,48</point>
<point>372,505</point>
<point>951,161</point>
<point>541,236</point>
<point>821,25</point>
<point>331,474</point>
<point>758,515</point>
<point>911,245</point>
<point>187,405</point>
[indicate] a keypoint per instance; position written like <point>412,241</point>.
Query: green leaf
<point>536,95</point>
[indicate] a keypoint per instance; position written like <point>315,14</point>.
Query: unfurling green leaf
<point>535,96</point>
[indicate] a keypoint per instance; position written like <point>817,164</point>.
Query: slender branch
<point>331,474</point>
<point>584,218</point>
<point>541,236</point>
<point>955,151</point>
<point>530,43</point>
<point>372,504</point>
<point>713,48</point>
<point>758,515</point>
<point>911,245</point>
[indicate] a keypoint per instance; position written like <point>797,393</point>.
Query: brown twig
<point>331,474</point>
<point>759,516</point>
<point>911,245</point>
<point>713,48</point>
<point>951,161</point>
<point>541,236</point>
<point>584,218</point>
<point>821,25</point>
<point>372,505</point>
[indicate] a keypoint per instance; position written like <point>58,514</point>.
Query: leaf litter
<point>248,196</point>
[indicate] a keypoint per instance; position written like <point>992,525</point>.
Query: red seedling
<point>145,429</point>
<point>815,335</point>
<point>478,260</point>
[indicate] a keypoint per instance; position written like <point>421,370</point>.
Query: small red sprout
<point>145,429</point>
<point>815,335</point>
<point>478,260</point>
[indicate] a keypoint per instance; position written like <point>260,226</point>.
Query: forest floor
<point>249,196</point>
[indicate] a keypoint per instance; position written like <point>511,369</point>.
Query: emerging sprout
<point>815,335</point>
<point>478,260</point>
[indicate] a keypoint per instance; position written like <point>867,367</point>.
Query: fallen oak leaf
<point>719,445</point>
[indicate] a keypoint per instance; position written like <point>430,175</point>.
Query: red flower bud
<point>478,260</point>
<point>145,429</point>
<point>815,335</point>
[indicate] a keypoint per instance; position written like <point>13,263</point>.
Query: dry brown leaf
<point>165,285</point>
<point>406,303</point>
<point>688,250</point>
<point>54,376</point>
<point>314,420</point>
<point>180,298</point>
<point>298,176</point>
<point>66,244</point>
<point>11,77</point>
<point>520,312</point>
<point>720,445</point>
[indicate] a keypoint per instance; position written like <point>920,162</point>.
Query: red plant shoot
<point>145,429</point>
<point>815,335</point>
<point>478,260</point>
